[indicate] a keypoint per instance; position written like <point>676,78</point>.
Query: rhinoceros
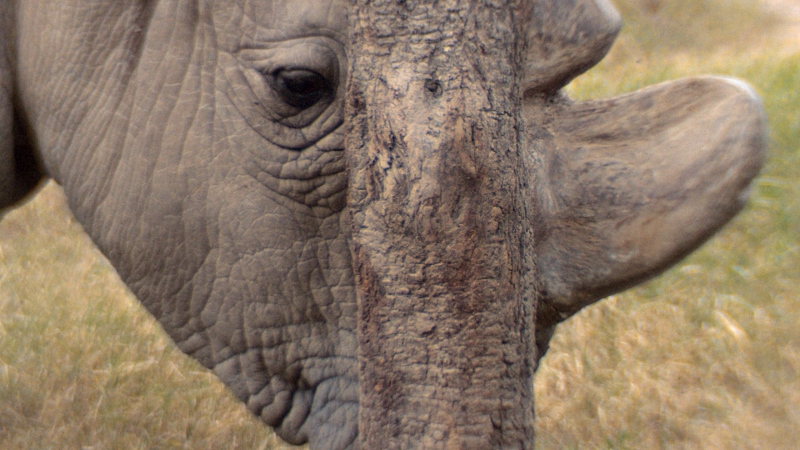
<point>366,217</point>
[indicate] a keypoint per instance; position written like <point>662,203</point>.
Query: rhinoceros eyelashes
<point>301,88</point>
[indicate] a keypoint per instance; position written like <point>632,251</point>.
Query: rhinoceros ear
<point>19,173</point>
<point>565,39</point>
<point>628,186</point>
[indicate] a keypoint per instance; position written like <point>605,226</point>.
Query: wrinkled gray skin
<point>219,197</point>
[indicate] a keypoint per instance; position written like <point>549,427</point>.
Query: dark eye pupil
<point>301,88</point>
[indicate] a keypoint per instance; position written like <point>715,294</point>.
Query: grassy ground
<point>706,356</point>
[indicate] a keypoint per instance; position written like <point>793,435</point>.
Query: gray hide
<point>202,146</point>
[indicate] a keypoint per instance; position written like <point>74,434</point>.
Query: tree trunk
<point>441,240</point>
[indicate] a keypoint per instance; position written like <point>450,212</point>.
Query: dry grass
<point>707,356</point>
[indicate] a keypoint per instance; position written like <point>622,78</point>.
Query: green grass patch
<point>661,27</point>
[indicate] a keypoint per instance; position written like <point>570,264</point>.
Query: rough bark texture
<point>440,247</point>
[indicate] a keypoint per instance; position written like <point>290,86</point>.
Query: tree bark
<point>441,239</point>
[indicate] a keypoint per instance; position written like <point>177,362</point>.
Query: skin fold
<point>203,147</point>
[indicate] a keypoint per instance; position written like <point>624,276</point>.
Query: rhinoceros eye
<point>300,88</point>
